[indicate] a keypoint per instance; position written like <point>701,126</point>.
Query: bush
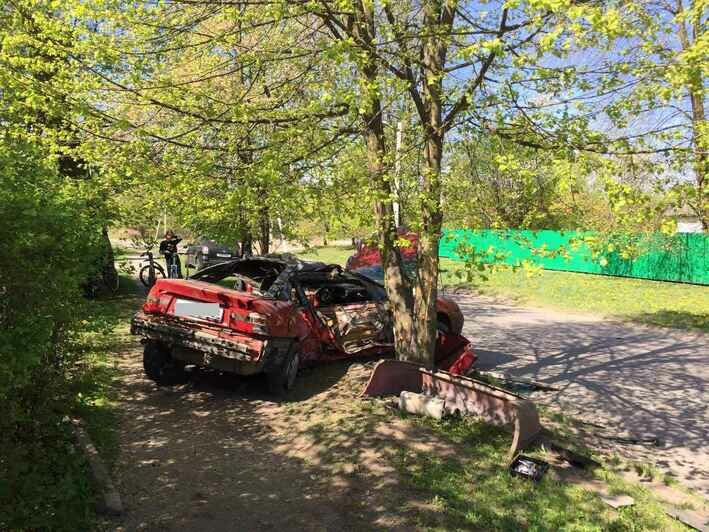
<point>51,237</point>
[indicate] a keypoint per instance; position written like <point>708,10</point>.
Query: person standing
<point>168,248</point>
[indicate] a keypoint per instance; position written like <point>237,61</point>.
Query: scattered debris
<point>628,439</point>
<point>423,405</point>
<point>572,457</point>
<point>463,395</point>
<point>691,518</point>
<point>633,440</point>
<point>528,467</point>
<point>618,501</point>
<point>516,384</point>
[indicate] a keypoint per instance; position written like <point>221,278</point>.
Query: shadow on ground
<point>220,454</point>
<point>627,378</point>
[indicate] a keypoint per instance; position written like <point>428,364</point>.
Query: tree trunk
<point>426,292</point>
<point>247,245</point>
<point>700,140</point>
<point>395,282</point>
<point>265,232</point>
<point>109,275</point>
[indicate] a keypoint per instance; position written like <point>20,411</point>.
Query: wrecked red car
<point>273,315</point>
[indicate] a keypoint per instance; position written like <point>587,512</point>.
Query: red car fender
<point>451,310</point>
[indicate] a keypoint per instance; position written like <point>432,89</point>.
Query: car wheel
<point>283,379</point>
<point>160,367</point>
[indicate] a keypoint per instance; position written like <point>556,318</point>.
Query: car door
<point>357,319</point>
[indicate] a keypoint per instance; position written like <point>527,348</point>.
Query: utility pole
<point>397,171</point>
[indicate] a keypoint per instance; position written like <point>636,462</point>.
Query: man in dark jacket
<point>168,248</point>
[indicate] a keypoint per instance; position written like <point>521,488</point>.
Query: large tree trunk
<point>395,282</point>
<point>426,293</point>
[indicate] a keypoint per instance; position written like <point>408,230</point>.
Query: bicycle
<point>150,272</point>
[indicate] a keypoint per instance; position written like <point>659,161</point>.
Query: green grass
<point>328,254</point>
<point>475,491</point>
<point>651,302</point>
<point>94,384</point>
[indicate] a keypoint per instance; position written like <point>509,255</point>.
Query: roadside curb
<point>112,503</point>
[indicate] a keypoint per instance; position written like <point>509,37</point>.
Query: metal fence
<point>683,257</point>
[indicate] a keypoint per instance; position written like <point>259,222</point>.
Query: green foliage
<point>495,184</point>
<point>52,217</point>
<point>50,244</point>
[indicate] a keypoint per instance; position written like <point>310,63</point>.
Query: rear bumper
<point>237,353</point>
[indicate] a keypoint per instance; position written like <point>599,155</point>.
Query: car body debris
<point>528,467</point>
<point>460,395</point>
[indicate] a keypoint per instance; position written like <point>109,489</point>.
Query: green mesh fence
<point>683,257</point>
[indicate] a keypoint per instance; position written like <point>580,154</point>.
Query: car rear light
<point>156,304</point>
<point>253,322</point>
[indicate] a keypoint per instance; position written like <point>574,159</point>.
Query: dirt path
<point>219,454</point>
<point>627,378</point>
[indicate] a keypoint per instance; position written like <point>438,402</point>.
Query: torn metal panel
<point>462,395</point>
<point>358,327</point>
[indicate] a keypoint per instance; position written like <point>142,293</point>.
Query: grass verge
<point>94,383</point>
<point>651,302</point>
<point>328,254</point>
<point>476,492</point>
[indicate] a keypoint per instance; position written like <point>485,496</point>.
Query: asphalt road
<point>626,379</point>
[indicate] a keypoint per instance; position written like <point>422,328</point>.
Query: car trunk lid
<point>212,306</point>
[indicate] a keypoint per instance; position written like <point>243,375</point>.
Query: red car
<point>274,314</point>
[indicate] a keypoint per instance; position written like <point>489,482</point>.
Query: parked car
<point>205,253</point>
<point>274,315</point>
<point>367,260</point>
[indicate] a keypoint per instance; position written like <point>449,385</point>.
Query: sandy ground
<point>629,379</point>
<point>219,454</point>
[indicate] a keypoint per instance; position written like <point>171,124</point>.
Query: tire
<point>283,379</point>
<point>160,367</point>
<point>145,275</point>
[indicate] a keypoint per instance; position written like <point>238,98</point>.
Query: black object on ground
<point>528,467</point>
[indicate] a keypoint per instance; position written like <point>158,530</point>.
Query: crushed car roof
<point>282,260</point>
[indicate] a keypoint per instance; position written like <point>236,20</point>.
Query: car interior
<point>253,276</point>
